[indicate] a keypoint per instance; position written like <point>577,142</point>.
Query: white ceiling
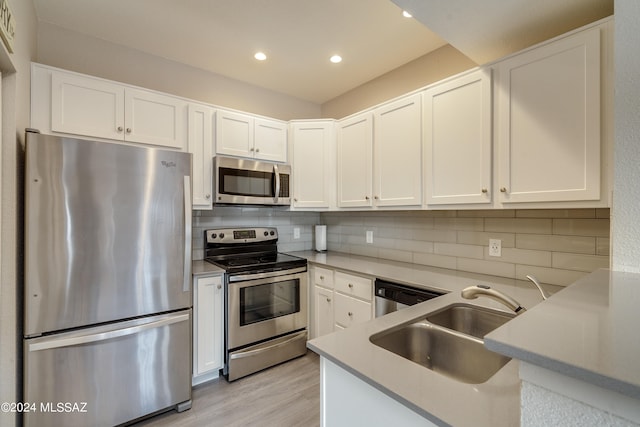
<point>222,36</point>
<point>299,36</point>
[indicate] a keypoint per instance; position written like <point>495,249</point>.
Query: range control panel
<point>240,235</point>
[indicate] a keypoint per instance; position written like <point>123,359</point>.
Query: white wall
<point>625,215</point>
<point>73,51</point>
<point>15,106</point>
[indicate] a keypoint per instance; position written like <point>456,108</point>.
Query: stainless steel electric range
<point>265,299</point>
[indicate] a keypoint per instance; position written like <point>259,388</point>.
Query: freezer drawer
<point>108,375</point>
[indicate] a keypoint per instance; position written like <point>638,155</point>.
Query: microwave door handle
<point>277,179</point>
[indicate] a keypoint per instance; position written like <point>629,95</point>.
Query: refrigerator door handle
<point>186,284</point>
<point>107,335</point>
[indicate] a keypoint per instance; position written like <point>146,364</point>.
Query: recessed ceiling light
<point>406,14</point>
<point>336,59</point>
<point>260,56</point>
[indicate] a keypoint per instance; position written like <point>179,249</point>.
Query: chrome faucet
<point>544,293</point>
<point>473,292</point>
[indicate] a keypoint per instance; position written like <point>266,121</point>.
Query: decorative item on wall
<point>7,25</point>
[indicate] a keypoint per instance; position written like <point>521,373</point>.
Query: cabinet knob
<point>295,200</point>
<point>251,149</point>
<point>128,130</point>
<point>321,277</point>
<point>207,196</point>
<point>485,191</point>
<point>351,285</point>
<point>219,286</point>
<point>503,190</point>
<point>366,197</point>
<point>119,128</point>
<point>328,299</point>
<point>257,150</point>
<point>350,314</point>
<point>375,197</point>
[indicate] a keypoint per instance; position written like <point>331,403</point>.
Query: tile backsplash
<point>232,216</point>
<point>557,245</point>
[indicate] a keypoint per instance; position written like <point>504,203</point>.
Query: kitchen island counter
<point>435,397</point>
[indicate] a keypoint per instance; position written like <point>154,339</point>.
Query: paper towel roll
<point>321,238</point>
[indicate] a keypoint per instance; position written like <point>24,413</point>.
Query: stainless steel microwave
<point>250,182</point>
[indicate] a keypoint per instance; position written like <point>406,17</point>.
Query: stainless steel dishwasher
<point>392,296</point>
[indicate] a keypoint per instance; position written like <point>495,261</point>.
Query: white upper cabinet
<point>270,140</point>
<point>244,135</point>
<point>398,153</point>
<point>313,162</point>
<point>457,132</point>
<point>201,119</point>
<point>86,106</point>
<point>93,107</point>
<point>153,118</point>
<point>355,160</point>
<point>548,122</point>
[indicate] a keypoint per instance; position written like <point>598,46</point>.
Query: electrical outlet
<point>495,247</point>
<point>369,236</point>
<point>296,233</point>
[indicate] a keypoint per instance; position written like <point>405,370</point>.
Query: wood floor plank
<point>286,395</point>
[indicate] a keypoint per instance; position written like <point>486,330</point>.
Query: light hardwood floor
<point>286,395</point>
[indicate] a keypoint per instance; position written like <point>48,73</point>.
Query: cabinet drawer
<point>323,277</point>
<point>359,287</point>
<point>350,310</point>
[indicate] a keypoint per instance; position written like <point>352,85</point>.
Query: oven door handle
<point>250,353</point>
<point>272,274</point>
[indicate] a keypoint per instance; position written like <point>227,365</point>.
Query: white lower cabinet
<point>340,300</point>
<point>208,333</point>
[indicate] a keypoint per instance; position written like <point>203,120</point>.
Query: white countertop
<point>587,331</point>
<point>204,268</point>
<point>438,398</point>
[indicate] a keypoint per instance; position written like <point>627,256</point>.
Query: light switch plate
<point>369,236</point>
<point>296,233</point>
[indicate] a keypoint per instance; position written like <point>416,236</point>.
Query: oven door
<point>265,308</point>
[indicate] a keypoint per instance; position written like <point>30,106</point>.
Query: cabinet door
<point>86,106</point>
<point>457,129</point>
<point>270,140</point>
<point>208,330</point>
<point>323,311</point>
<point>355,161</point>
<point>312,162</point>
<point>152,118</point>
<point>398,153</point>
<point>349,310</point>
<point>549,122</point>
<point>201,147</point>
<point>234,134</point>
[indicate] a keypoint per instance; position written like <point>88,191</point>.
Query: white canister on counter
<point>321,238</point>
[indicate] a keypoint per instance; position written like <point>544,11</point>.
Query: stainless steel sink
<point>463,358</point>
<point>469,319</point>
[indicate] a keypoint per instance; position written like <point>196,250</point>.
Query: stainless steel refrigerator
<point>107,288</point>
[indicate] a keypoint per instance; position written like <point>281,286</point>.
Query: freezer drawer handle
<point>103,336</point>
<point>267,348</point>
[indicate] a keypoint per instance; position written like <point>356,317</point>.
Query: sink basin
<point>463,358</point>
<point>469,319</point>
